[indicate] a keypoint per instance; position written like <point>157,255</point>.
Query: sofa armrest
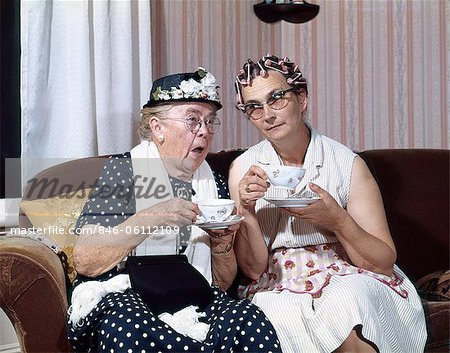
<point>33,294</point>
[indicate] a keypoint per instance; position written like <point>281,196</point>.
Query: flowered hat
<point>198,86</point>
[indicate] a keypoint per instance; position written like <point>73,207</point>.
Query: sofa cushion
<point>55,219</point>
<point>435,286</point>
<point>437,316</point>
<point>434,291</point>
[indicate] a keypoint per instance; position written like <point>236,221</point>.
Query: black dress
<point>122,322</point>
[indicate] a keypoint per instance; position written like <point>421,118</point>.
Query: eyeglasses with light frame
<point>194,123</point>
<point>277,101</point>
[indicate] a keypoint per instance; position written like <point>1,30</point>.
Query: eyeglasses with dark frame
<point>277,102</point>
<point>194,123</point>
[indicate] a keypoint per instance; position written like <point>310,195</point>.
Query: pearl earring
<point>161,138</point>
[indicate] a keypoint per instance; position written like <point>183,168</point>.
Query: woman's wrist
<point>222,244</point>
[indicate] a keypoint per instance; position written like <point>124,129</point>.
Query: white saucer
<point>292,201</point>
<point>234,219</point>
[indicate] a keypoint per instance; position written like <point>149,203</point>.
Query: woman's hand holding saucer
<point>218,233</point>
<point>324,212</point>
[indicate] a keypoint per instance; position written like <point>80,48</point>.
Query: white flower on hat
<point>190,87</point>
<point>177,93</point>
<point>205,89</point>
<point>209,82</point>
<point>164,95</point>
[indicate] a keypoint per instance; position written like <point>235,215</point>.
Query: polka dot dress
<point>122,322</point>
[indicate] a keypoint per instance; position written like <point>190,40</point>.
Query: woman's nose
<point>203,129</point>
<point>268,113</point>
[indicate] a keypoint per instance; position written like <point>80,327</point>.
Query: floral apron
<point>308,270</point>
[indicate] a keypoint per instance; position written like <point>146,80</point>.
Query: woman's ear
<point>155,125</point>
<point>302,98</point>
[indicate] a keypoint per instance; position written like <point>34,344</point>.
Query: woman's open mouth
<point>198,150</point>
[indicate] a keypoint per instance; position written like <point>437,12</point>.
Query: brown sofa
<point>415,188</point>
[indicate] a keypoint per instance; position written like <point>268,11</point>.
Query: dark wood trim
<point>10,145</point>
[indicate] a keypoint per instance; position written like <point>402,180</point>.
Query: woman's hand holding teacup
<point>173,213</point>
<point>252,187</point>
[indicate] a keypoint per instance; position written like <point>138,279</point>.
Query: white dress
<point>321,322</point>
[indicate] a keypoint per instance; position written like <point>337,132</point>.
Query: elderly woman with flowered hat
<point>144,204</point>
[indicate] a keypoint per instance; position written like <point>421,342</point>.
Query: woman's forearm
<point>99,249</point>
<point>251,250</point>
<point>224,266</point>
<point>365,250</point>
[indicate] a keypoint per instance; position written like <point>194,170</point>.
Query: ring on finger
<point>247,189</point>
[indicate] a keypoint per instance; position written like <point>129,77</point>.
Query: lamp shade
<point>294,12</point>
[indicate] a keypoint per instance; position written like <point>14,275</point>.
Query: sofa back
<point>414,184</point>
<point>66,177</point>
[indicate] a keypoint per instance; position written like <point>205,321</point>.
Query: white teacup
<point>215,210</point>
<point>281,176</point>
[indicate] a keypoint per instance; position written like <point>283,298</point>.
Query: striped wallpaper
<point>378,71</point>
